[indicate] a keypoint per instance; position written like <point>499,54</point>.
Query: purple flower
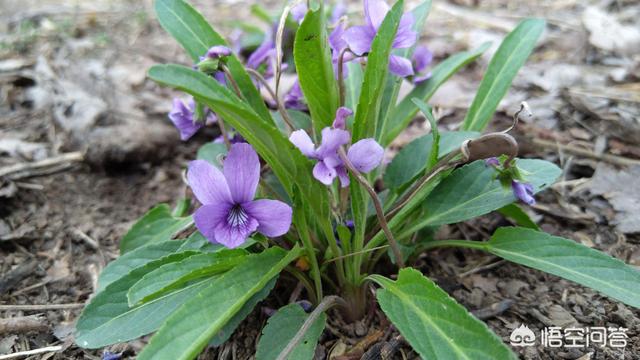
<point>360,38</point>
<point>298,12</point>
<point>365,155</point>
<point>492,161</point>
<point>229,213</point>
<point>338,11</point>
<point>294,98</point>
<point>182,117</point>
<point>523,191</point>
<point>422,58</point>
<point>337,44</point>
<point>340,122</point>
<point>265,54</point>
<point>218,51</point>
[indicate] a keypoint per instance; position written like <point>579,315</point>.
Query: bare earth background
<point>72,79</point>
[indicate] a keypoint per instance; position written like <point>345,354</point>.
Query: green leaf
<point>406,110</point>
<point>282,327</point>
<point>172,275</point>
<point>516,213</point>
<point>286,161</point>
<point>434,152</point>
<point>191,327</point>
<point>157,225</point>
<point>473,190</point>
<point>412,160</point>
<point>225,333</point>
<point>211,152</point>
<point>375,75</point>
<point>568,259</point>
<point>108,319</point>
<point>315,70</point>
<point>393,83</point>
<point>353,84</point>
<point>196,36</point>
<point>435,325</point>
<point>134,259</point>
<point>504,66</point>
<point>300,120</point>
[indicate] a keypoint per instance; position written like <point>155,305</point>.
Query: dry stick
<point>52,161</point>
<point>376,203</point>
<point>42,307</point>
<point>31,352</point>
<point>23,324</point>
<point>613,159</point>
<point>326,304</point>
<point>283,112</point>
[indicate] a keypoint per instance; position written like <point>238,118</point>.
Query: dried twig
<point>23,324</point>
<point>31,352</point>
<point>22,170</point>
<point>13,277</point>
<point>42,307</point>
<point>613,159</point>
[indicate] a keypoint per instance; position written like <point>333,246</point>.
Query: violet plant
<point>295,189</point>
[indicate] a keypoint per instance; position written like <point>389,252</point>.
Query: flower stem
<point>326,304</point>
<point>341,75</point>
<point>283,112</point>
<point>443,164</point>
<point>303,231</point>
<point>376,203</point>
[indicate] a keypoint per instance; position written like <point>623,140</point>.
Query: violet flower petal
<point>375,12</point>
<point>338,11</point>
<point>332,139</point>
<point>343,176</point>
<point>261,54</point>
<point>218,51</point>
<point>405,36</point>
<point>208,217</point>
<point>340,122</point>
<point>523,192</point>
<point>365,155</point>
<point>242,171</point>
<point>400,66</point>
<point>359,39</point>
<point>208,183</point>
<point>303,142</point>
<point>273,216</point>
<point>236,228</point>
<point>421,78</point>
<point>298,12</point>
<point>323,173</point>
<point>492,161</point>
<point>182,118</point>
<point>422,58</point>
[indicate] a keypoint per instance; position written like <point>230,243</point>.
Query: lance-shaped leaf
<point>108,319</point>
<point>157,225</point>
<point>406,110</point>
<point>392,87</point>
<point>353,84</point>
<point>517,214</point>
<point>171,276</point>
<point>281,329</point>
<point>145,254</point>
<point>435,325</point>
<point>474,190</point>
<point>413,158</point>
<point>315,70</point>
<point>191,327</point>
<point>504,66</point>
<point>196,36</point>
<point>568,259</point>
<point>375,75</point>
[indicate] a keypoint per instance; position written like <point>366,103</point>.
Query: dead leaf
<point>622,190</point>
